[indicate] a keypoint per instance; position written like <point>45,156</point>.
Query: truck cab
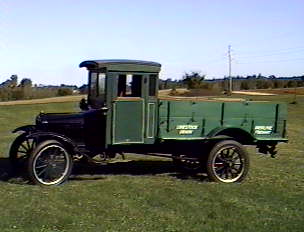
<point>126,90</point>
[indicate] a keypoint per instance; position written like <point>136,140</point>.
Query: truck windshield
<point>96,89</point>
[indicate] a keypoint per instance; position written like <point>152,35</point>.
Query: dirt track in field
<point>166,92</point>
<point>75,98</point>
<point>253,93</point>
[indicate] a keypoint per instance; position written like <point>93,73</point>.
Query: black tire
<point>50,164</point>
<point>228,162</point>
<point>20,152</point>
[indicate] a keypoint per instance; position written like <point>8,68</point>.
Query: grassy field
<point>298,91</point>
<point>149,195</point>
<point>72,98</point>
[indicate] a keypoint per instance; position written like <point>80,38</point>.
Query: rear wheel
<point>228,162</point>
<point>50,164</point>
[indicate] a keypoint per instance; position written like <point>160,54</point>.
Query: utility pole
<point>229,64</point>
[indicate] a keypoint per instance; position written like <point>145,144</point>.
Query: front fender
<point>26,128</point>
<point>43,135</point>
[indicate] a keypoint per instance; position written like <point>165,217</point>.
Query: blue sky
<point>46,40</point>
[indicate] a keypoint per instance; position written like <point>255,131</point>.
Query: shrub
<point>64,92</point>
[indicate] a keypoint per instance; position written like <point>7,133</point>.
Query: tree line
<point>196,80</point>
<point>11,89</point>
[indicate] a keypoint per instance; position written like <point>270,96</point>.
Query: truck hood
<point>60,118</point>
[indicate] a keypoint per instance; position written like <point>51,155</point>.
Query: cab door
<point>128,111</point>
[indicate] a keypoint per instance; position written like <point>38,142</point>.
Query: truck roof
<point>122,65</point>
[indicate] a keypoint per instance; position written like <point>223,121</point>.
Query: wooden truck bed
<point>202,119</point>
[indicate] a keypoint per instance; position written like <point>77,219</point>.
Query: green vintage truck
<point>124,114</point>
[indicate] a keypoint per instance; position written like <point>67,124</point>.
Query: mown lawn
<point>148,194</point>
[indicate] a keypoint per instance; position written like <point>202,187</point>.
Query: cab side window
<point>122,86</point>
<point>129,86</point>
<point>93,84</point>
<point>152,85</point>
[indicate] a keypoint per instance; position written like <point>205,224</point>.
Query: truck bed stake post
<point>252,127</point>
<point>168,116</point>
<point>284,128</point>
<point>276,119</point>
<point>222,114</point>
<point>203,127</point>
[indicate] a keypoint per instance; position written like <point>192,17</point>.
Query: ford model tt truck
<point>123,113</point>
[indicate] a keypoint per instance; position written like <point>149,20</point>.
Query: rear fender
<point>234,133</point>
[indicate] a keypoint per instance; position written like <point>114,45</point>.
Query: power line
<point>277,53</point>
<point>284,50</point>
<point>273,61</point>
<point>273,54</point>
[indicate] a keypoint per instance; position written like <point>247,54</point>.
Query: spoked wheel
<point>228,162</point>
<point>20,151</point>
<point>187,165</point>
<point>50,164</point>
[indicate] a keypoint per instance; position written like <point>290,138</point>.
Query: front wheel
<point>50,163</point>
<point>228,162</point>
<point>20,151</point>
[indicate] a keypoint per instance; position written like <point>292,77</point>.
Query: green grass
<point>12,117</point>
<point>270,199</point>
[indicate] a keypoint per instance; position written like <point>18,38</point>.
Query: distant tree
<point>262,84</point>
<point>25,89</point>
<point>167,83</point>
<point>244,85</point>
<point>83,89</point>
<point>64,92</point>
<point>17,94</point>
<point>276,84</point>
<point>26,83</point>
<point>14,81</point>
<point>291,84</point>
<point>193,80</point>
<point>251,77</point>
<point>300,83</point>
<point>10,83</point>
<point>272,77</point>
